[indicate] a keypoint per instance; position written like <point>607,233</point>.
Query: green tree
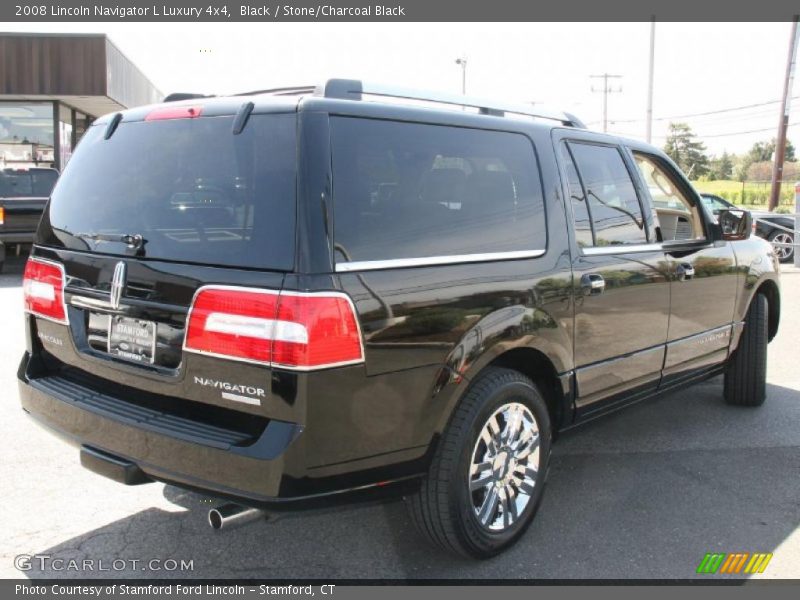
<point>688,153</point>
<point>721,167</point>
<point>763,151</point>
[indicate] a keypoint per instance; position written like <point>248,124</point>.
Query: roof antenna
<point>242,116</point>
<point>112,125</point>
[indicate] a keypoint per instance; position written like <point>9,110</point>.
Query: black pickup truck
<point>23,195</point>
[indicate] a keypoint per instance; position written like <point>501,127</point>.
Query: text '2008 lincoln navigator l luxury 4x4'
<point>292,295</point>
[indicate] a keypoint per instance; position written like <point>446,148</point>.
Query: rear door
<point>620,283</point>
<point>145,219</point>
<point>704,277</point>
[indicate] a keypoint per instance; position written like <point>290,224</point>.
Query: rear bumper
<point>252,473</point>
<point>133,443</point>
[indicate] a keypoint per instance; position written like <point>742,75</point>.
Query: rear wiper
<point>133,241</point>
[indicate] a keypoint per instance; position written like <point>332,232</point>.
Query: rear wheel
<point>488,473</point>
<point>746,372</point>
<point>784,253</point>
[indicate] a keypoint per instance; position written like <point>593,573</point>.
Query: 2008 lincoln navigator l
<point>297,294</point>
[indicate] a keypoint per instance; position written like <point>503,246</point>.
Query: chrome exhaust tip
<point>229,515</point>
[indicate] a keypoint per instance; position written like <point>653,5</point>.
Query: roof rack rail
<point>352,89</point>
<point>178,96</point>
<point>294,90</point>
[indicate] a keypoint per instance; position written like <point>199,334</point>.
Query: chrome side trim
<point>90,303</point>
<point>622,249</point>
<point>427,261</point>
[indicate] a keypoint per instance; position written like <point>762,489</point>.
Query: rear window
<point>27,183</point>
<point>194,191</point>
<point>407,190</point>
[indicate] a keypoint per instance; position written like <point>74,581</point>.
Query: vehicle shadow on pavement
<point>642,493</point>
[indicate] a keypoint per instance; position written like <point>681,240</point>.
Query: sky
<point>699,67</point>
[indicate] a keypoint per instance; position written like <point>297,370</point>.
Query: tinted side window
<point>407,190</point>
<point>613,204</point>
<point>580,210</point>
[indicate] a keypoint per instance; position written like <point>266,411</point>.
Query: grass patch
<point>753,194</point>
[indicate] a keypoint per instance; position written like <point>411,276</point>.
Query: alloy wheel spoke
<point>525,452</point>
<point>489,506</point>
<point>504,503</point>
<point>513,424</point>
<point>481,482</point>
<point>488,439</point>
<point>526,487</point>
<point>523,438</point>
<point>480,467</point>
<point>511,498</point>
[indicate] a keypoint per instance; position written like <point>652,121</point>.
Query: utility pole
<point>463,63</point>
<point>783,123</point>
<point>649,132</point>
<point>606,90</point>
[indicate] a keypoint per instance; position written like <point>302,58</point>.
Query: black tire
<point>746,372</point>
<point>442,509</point>
<point>789,257</point>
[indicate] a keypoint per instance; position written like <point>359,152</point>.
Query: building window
<point>26,134</point>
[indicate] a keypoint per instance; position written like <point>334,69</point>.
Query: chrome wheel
<point>504,467</point>
<point>783,252</point>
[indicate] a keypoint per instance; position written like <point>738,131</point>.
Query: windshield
<point>186,190</point>
<point>27,183</point>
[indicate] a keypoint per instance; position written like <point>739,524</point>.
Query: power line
<point>711,135</point>
<point>703,114</point>
<point>744,132</point>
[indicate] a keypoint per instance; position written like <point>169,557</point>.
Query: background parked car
<point>23,195</point>
<point>766,225</point>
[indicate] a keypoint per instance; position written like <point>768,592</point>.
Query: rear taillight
<point>43,289</point>
<point>174,112</point>
<point>2,215</point>
<point>332,337</point>
<point>288,329</point>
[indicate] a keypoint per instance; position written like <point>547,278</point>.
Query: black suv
<point>282,296</point>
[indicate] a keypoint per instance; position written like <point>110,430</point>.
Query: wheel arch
<point>556,387</point>
<point>770,289</point>
<point>535,365</point>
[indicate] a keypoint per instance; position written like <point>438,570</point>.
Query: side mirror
<point>735,224</point>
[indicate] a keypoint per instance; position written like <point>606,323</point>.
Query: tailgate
<point>139,343</point>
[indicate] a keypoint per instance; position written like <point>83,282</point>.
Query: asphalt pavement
<point>642,493</point>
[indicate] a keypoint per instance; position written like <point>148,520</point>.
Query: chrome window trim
<point>428,261</point>
<point>622,249</point>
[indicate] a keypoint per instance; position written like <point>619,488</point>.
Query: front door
<point>620,279</point>
<point>704,278</point>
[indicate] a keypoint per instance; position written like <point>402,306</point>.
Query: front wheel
<point>746,372</point>
<point>488,473</point>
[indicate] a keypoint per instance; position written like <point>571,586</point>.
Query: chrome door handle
<point>593,283</point>
<point>685,271</point>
